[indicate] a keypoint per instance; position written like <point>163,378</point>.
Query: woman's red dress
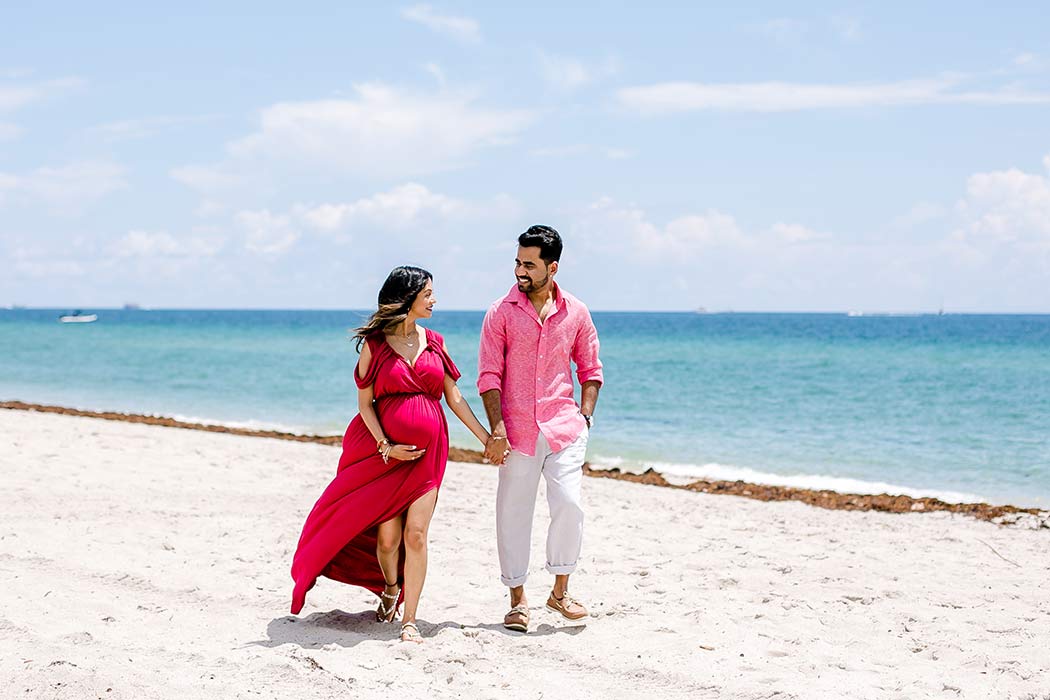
<point>339,537</point>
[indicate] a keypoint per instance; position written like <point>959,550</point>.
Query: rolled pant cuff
<point>514,582</point>
<point>561,570</point>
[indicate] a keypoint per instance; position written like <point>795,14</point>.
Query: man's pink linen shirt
<point>529,363</point>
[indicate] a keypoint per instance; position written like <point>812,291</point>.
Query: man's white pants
<point>519,478</point>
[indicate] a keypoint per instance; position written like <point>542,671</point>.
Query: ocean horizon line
<point>859,313</point>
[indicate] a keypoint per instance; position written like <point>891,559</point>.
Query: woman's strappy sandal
<point>386,612</point>
<point>410,633</point>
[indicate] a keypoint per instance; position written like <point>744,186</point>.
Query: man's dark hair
<point>546,239</point>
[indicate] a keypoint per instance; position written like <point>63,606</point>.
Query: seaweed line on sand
<point>832,500</point>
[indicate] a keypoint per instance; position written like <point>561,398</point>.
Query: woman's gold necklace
<point>405,340</point>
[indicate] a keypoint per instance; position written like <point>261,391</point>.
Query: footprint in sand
<point>79,638</point>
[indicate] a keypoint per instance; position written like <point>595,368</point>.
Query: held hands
<point>496,449</point>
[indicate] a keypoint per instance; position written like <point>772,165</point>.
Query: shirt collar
<point>521,300</point>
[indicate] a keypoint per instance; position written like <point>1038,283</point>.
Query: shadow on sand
<point>350,629</point>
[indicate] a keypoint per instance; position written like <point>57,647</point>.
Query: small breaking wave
<point>686,473</point>
<point>240,425</point>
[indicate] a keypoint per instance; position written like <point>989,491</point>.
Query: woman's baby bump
<point>411,419</point>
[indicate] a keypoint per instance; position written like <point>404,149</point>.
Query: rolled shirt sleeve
<point>491,352</point>
<point>585,352</point>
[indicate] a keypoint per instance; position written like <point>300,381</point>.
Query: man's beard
<point>526,287</point>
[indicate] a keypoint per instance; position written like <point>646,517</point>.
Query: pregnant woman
<point>369,528</point>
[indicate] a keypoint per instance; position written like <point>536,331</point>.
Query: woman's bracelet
<point>385,442</point>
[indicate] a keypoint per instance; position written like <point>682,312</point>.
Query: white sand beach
<point>150,562</point>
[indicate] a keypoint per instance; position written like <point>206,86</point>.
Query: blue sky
<point>773,157</point>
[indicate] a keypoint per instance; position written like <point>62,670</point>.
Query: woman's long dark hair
<point>396,296</point>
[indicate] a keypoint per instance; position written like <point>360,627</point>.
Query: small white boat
<point>77,317</point>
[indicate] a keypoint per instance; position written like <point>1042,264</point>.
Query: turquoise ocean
<point>955,406</point>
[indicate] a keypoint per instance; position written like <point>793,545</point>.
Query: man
<point>528,339</point>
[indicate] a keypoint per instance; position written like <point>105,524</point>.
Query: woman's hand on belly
<point>405,453</point>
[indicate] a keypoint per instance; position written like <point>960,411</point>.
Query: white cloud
<point>37,262</point>
<point>680,239</point>
<point>457,239</point>
<point>13,97</point>
<point>72,185</point>
<point>148,244</point>
<point>400,207</point>
<point>920,213</point>
<point>696,231</point>
<point>687,237</point>
<point>145,244</point>
<point>381,133</point>
<point>460,28</point>
<point>563,72</point>
<point>795,233</point>
<point>580,149</point>
<point>384,132</point>
<point>709,258</point>
<point>267,233</point>
<point>1006,207</point>
<point>617,153</point>
<point>567,73</point>
<point>672,97</point>
<point>75,182</point>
